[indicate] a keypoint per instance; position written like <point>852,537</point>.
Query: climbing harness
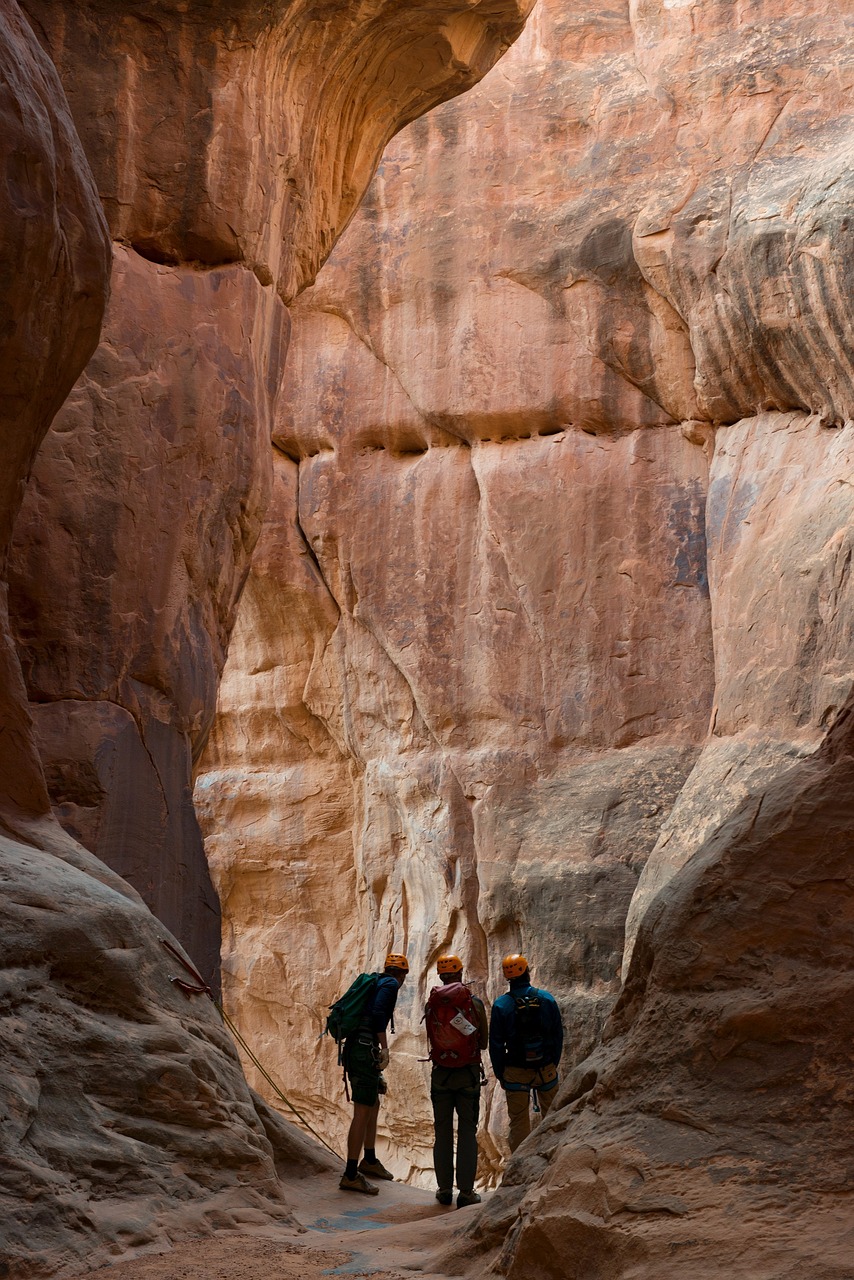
<point>201,988</point>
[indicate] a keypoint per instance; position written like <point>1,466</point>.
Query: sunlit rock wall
<point>230,145</point>
<point>569,482</point>
<point>473,665</point>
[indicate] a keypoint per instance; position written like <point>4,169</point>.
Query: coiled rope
<point>201,988</point>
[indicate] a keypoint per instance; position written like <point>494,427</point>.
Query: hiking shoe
<point>359,1183</point>
<point>466,1198</point>
<point>445,1197</point>
<point>374,1169</point>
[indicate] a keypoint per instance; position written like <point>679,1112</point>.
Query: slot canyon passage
<point>479,581</point>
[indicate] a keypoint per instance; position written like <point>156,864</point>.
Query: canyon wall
<point>229,146</point>
<point>238,142</point>
<point>549,632</point>
<point>474,665</point>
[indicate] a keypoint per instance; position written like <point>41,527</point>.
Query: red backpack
<point>453,1029</point>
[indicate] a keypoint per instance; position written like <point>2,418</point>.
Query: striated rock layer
<point>238,143</point>
<point>555,588</point>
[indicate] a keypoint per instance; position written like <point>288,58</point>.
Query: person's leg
<point>363,1118</point>
<point>371,1125</point>
<point>371,1164</point>
<point>364,1081</point>
<point>546,1086</point>
<point>443,1139</point>
<point>546,1097</point>
<point>519,1111</point>
<point>518,1104</point>
<point>467,1102</point>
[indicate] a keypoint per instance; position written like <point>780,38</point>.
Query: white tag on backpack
<point>462,1025</point>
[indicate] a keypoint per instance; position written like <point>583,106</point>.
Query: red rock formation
<point>240,143</point>
<point>490,704</point>
<point>53,283</point>
<point>158,464</point>
<point>126,1117</point>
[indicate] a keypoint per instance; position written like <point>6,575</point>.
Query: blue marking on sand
<point>359,1265</point>
<point>349,1220</point>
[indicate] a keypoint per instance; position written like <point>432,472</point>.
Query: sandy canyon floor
<point>337,1234</point>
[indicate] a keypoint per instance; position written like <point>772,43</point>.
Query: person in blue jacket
<point>365,1057</point>
<point>525,1044</point>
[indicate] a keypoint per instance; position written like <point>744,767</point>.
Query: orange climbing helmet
<point>395,961</point>
<point>514,966</point>
<point>449,964</point>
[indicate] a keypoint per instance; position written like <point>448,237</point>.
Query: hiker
<point>457,1032</point>
<point>365,1057</point>
<point>525,1044</point>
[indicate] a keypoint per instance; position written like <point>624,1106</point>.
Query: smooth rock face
<point>240,143</point>
<point>778,526</point>
<point>126,1117</point>
<point>158,467</point>
<point>712,1132</point>
<point>54,269</point>
<point>246,132</point>
<point>530,434</point>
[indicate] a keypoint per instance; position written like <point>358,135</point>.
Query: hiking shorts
<point>360,1063</point>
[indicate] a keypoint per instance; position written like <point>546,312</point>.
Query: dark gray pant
<point>455,1090</point>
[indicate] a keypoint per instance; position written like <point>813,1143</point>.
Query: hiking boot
<point>359,1183</point>
<point>374,1169</point>
<point>445,1197</point>
<point>466,1198</point>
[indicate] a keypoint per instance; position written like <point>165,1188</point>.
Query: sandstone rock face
<point>53,280</point>
<point>248,133</point>
<point>126,1117</point>
<point>712,1131</point>
<point>122,617</point>
<point>460,683</point>
<point>240,143</point>
<point>558,579</point>
<point>368,770</point>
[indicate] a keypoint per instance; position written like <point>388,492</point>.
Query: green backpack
<point>346,1014</point>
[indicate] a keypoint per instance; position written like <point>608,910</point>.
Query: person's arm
<point>382,1005</point>
<point>497,1047</point>
<point>556,1028</point>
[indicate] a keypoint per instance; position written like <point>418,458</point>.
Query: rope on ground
<point>199,987</point>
